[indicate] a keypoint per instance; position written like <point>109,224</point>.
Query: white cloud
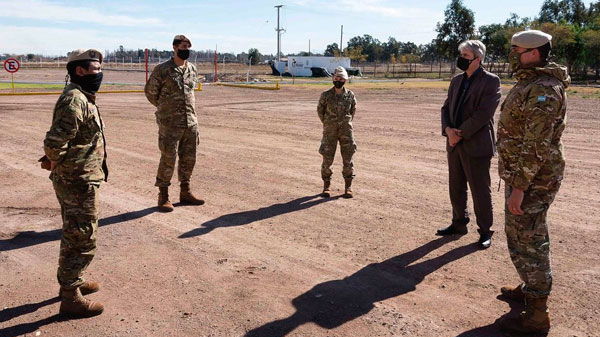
<point>59,41</point>
<point>384,9</point>
<point>46,11</point>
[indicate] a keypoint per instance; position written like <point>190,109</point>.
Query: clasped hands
<point>454,135</point>
<point>46,163</point>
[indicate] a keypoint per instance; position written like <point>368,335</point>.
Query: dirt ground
<point>266,256</point>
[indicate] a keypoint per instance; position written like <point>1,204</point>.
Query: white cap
<point>530,39</point>
<point>341,72</point>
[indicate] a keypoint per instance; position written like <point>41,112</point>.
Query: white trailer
<point>303,66</point>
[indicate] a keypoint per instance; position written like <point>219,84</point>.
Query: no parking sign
<point>12,66</point>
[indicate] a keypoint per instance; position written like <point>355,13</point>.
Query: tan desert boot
<point>348,192</point>
<point>164,205</point>
<point>74,304</point>
<point>535,318</point>
<point>187,197</point>
<point>326,188</point>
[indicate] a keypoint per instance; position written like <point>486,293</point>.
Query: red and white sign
<point>11,65</point>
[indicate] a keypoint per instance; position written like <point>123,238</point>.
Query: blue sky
<point>56,27</point>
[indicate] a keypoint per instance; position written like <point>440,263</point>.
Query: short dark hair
<point>545,51</point>
<point>71,66</point>
<point>176,42</point>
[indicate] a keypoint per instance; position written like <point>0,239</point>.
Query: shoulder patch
<point>548,81</point>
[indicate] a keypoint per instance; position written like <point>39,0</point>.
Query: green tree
<point>591,43</point>
<point>369,46</point>
<point>390,49</point>
<point>254,56</point>
<point>497,42</point>
<point>428,52</point>
<point>566,42</point>
<point>332,50</point>
<point>458,26</point>
<point>356,54</point>
<point>570,11</point>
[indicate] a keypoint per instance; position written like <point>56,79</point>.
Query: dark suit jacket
<point>479,107</point>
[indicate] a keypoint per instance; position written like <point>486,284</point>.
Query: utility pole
<point>341,37</point>
<point>279,30</point>
<point>308,47</point>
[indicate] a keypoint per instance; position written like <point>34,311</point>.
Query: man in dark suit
<point>468,124</point>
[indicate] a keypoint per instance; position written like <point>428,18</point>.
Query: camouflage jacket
<point>337,109</point>
<point>76,139</point>
<point>171,90</point>
<point>530,126</point>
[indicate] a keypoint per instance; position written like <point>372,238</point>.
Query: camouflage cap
<point>84,55</point>
<point>341,72</point>
<point>181,38</point>
<point>530,39</point>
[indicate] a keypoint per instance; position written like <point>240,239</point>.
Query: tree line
<point>575,29</point>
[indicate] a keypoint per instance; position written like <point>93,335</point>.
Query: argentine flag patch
<point>541,98</point>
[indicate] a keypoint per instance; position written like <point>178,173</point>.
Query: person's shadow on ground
<point>32,238</point>
<point>248,217</point>
<point>25,328</point>
<point>333,303</point>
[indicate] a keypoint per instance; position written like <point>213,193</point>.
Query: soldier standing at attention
<point>75,155</point>
<point>336,111</point>
<point>171,89</point>
<point>531,163</point>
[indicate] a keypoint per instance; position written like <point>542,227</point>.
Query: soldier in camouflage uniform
<point>531,163</point>
<point>171,89</point>
<point>336,111</point>
<point>76,157</point>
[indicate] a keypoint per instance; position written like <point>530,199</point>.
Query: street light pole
<point>279,30</point>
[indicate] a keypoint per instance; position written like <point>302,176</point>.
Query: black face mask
<point>463,63</point>
<point>183,53</point>
<point>338,84</point>
<point>89,83</point>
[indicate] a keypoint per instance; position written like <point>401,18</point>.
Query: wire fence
<point>206,66</point>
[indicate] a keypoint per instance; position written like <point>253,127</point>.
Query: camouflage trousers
<point>332,134</point>
<point>79,210</point>
<point>171,141</point>
<point>528,240</point>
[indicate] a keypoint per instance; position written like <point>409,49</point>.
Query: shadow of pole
<point>333,303</point>
<point>248,217</point>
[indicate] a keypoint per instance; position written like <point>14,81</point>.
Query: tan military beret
<point>84,55</point>
<point>530,39</point>
<point>181,38</point>
<point>341,72</point>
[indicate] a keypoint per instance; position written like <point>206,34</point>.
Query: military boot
<point>88,287</point>
<point>326,189</point>
<point>187,197</point>
<point>348,192</point>
<point>513,293</point>
<point>164,205</point>
<point>74,304</point>
<point>534,319</point>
